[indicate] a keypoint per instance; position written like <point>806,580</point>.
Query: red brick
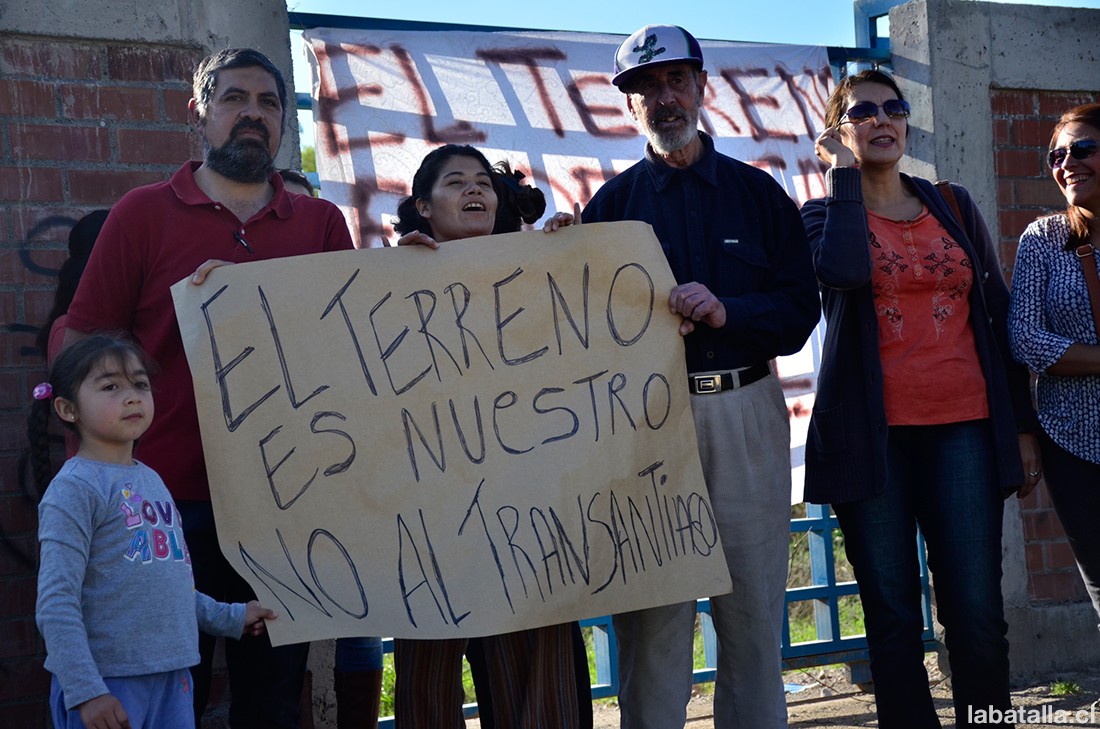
<point>1018,163</point>
<point>1012,103</point>
<point>19,595</point>
<point>1006,253</point>
<point>1059,556</point>
<point>13,425</point>
<point>1042,525</point>
<point>1001,136</point>
<point>51,60</point>
<point>31,679</point>
<point>28,714</point>
<point>1057,587</point>
<point>1054,104</point>
<point>18,515</point>
<point>175,105</point>
<point>105,187</point>
<point>11,396</point>
<point>153,146</point>
<point>1006,196</point>
<point>27,99</point>
<point>1033,554</point>
<point>25,184</point>
<point>1013,222</point>
<point>1030,133</point>
<point>46,224</point>
<point>18,638</point>
<point>37,305</point>
<point>23,267</point>
<point>1031,501</point>
<point>109,102</point>
<point>56,142</point>
<point>160,65</point>
<point>1039,193</point>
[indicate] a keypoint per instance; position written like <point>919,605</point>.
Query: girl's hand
<point>832,151</point>
<point>104,712</point>
<point>560,220</point>
<point>254,616</point>
<point>416,238</point>
<point>204,270</point>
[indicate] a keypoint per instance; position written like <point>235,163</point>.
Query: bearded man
<point>747,293</point>
<point>229,208</point>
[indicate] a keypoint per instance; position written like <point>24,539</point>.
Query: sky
<point>802,22</point>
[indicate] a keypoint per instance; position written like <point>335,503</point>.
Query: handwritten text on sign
<point>475,440</point>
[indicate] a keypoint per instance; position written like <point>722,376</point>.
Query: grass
<point>1062,687</point>
<point>800,617</point>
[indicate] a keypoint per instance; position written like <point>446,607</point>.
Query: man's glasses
<point>1081,149</point>
<point>866,111</point>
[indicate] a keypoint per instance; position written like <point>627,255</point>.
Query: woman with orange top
<point>922,418</point>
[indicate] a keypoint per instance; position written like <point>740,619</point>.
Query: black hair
<point>1078,223</point>
<point>295,177</point>
<point>81,239</point>
<point>516,203</point>
<point>408,217</point>
<point>69,370</point>
<point>837,104</point>
<point>206,75</point>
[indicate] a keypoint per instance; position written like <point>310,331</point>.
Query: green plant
<point>1062,687</point>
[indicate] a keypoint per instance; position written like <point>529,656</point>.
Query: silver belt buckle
<point>706,384</point>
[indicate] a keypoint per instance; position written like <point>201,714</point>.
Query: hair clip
<point>42,391</point>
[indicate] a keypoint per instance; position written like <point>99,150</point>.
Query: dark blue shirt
<point>732,228</point>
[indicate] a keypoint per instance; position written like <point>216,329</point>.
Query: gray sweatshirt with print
<point>115,592</point>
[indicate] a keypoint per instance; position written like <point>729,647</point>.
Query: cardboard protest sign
<point>475,440</point>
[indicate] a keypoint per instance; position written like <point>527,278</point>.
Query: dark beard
<point>239,160</point>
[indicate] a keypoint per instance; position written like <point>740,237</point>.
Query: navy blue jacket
<point>846,443</point>
<point>732,228</point>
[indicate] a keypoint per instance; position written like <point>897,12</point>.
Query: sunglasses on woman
<point>866,111</point>
<point>1081,149</point>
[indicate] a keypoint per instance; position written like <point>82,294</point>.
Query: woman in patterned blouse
<point>1052,331</point>
<point>919,407</point>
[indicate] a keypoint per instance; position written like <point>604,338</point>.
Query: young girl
<point>116,599</point>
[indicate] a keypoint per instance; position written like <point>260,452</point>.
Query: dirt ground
<point>829,700</point>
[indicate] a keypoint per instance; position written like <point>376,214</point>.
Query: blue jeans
<point>354,655</point>
<point>942,478</point>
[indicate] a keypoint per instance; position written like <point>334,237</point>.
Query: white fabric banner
<point>544,102</point>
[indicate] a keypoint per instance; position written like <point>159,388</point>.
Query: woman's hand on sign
<point>560,220</point>
<point>416,238</point>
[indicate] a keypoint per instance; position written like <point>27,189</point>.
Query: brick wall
<point>81,122</point>
<point>1022,124</point>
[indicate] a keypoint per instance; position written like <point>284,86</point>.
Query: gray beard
<point>666,142</point>
<point>239,161</point>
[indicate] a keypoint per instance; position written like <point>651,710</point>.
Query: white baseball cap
<point>655,45</point>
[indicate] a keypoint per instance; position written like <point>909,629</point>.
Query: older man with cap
<point>747,293</point>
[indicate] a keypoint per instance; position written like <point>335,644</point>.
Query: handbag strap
<point>949,195</point>
<point>1086,256</point>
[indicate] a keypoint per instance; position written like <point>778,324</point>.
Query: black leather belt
<point>709,384</point>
